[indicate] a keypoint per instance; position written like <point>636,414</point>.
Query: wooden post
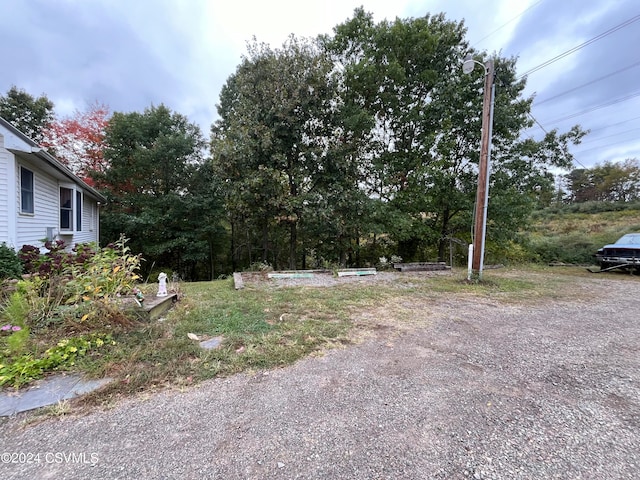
<point>483,174</point>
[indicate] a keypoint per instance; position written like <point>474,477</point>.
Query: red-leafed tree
<point>78,140</point>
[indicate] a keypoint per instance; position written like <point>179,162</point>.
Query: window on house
<point>78,211</point>
<point>70,209</point>
<point>66,208</point>
<point>26,191</point>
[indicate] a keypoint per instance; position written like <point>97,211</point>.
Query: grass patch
<point>265,327</point>
<point>261,328</point>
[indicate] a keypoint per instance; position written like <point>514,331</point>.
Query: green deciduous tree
<point>156,193</point>
<point>610,182</point>
<point>423,147</point>
<point>279,147</point>
<point>27,113</point>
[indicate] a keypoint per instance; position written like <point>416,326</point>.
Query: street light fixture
<point>476,250</point>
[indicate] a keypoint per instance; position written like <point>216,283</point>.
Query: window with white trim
<point>70,209</point>
<point>26,191</point>
<point>66,208</point>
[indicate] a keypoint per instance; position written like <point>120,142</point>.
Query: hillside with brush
<point>572,233</point>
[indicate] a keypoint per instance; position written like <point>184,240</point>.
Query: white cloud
<point>130,54</point>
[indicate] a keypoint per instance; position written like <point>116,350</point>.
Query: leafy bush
<point>571,248</point>
<point>511,253</point>
<point>57,260</point>
<point>26,368</point>
<point>14,315</point>
<point>107,273</point>
<point>10,265</point>
<point>260,267</point>
<point>78,286</point>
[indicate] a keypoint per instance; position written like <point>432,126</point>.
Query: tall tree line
<point>608,182</point>
<point>335,150</point>
<point>384,154</point>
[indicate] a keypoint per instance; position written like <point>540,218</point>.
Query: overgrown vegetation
<point>10,265</point>
<point>21,370</point>
<point>77,289</point>
<point>572,233</point>
<point>260,327</point>
<point>63,294</point>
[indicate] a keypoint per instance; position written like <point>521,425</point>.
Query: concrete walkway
<point>48,391</point>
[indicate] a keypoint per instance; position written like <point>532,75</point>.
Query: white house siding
<point>32,229</point>
<point>89,231</point>
<point>4,193</point>
<point>18,229</point>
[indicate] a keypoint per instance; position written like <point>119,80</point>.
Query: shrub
<point>80,285</point>
<point>26,368</point>
<point>260,267</point>
<point>572,248</point>
<point>10,264</point>
<point>105,273</point>
<point>13,316</point>
<point>30,258</point>
<point>57,260</point>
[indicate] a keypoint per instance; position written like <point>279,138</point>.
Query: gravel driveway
<point>471,388</point>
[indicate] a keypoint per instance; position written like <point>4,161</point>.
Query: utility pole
<point>482,194</point>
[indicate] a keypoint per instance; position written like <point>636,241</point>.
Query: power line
<point>582,45</point>
<point>589,140</point>
<point>614,124</point>
<point>592,130</point>
<point>506,23</point>
<point>597,107</point>
<point>588,83</point>
<point>604,146</point>
<point>545,131</point>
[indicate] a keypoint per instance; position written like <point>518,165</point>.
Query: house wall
<point>18,229</point>
<point>7,192</point>
<point>32,229</point>
<point>89,231</point>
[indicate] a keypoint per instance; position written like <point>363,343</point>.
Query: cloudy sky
<point>129,54</point>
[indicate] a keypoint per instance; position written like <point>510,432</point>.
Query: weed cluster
<point>62,294</point>
<point>77,287</point>
<point>26,367</point>
<point>10,265</point>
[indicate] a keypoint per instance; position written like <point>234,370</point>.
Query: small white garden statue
<point>162,285</point>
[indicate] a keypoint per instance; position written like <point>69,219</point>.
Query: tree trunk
<point>265,242</point>
<point>234,259</point>
<point>293,240</point>
<point>442,242</point>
